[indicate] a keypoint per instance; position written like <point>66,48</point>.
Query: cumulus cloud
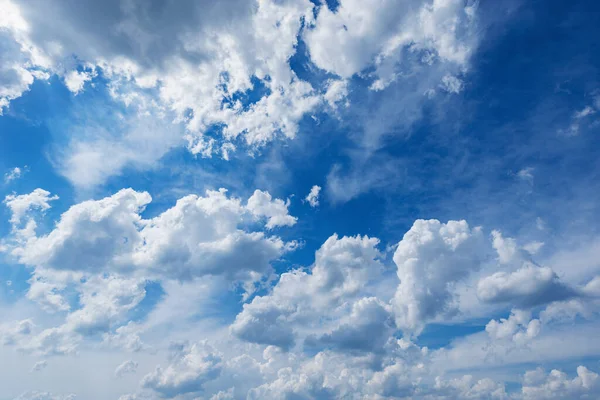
<point>198,236</point>
<point>104,252</point>
<point>262,204</point>
<point>367,328</point>
<point>556,385</point>
<point>430,257</point>
<point>197,62</point>
<point>191,365</point>
<point>467,387</point>
<point>21,63</point>
<point>342,268</point>
<point>528,286</point>
<point>519,328</point>
<point>347,40</point>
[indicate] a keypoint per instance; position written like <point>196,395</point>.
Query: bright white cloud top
<point>159,241</point>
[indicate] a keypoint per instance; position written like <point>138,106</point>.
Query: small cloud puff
<point>313,197</point>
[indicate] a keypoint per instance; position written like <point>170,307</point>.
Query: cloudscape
<point>299,199</point>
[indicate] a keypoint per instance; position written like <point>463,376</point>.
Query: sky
<point>294,199</point>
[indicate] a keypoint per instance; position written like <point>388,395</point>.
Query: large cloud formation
<point>328,331</point>
<point>220,72</point>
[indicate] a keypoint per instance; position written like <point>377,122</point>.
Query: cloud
<point>104,302</point>
<point>191,365</point>
<point>20,205</point>
<point>104,252</point>
<point>194,60</point>
<point>75,80</point>
<point>528,286</point>
<point>346,41</point>
<point>341,270</point>
<point>21,63</point>
<point>467,387</point>
<point>556,385</point>
<point>196,237</point>
<point>262,204</point>
<point>127,367</point>
<point>519,328</point>
<point>430,257</point>
<point>14,174</point>
<point>313,197</point>
<point>367,329</point>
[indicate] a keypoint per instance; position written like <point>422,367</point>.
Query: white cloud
<point>467,387</point>
<point>198,236</point>
<point>528,286</point>
<point>262,204</point>
<point>337,93</point>
<point>313,197</point>
<point>127,367</point>
<point>430,257</point>
<point>506,248</point>
<point>191,365</point>
<point>196,60</point>
<point>104,302</point>
<point>556,385</point>
<point>342,268</point>
<point>13,174</point>
<point>21,62</point>
<point>20,205</point>
<point>346,41</point>
<point>75,80</point>
<point>14,332</point>
<point>519,328</point>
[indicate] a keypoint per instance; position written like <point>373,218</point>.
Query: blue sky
<point>158,240</point>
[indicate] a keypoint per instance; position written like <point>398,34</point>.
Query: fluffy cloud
<point>20,205</point>
<point>199,63</point>
<point>519,327</point>
<point>103,252</point>
<point>556,385</point>
<point>430,258</point>
<point>347,40</point>
<point>468,387</point>
<point>262,204</point>
<point>191,366</point>
<point>342,268</point>
<point>21,63</point>
<point>198,236</point>
<point>223,76</point>
<point>368,328</point>
<point>528,286</point>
